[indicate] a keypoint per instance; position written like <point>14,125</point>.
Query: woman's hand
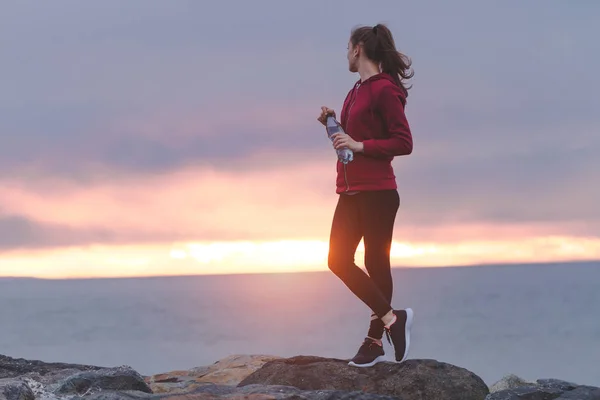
<point>341,140</point>
<point>325,111</point>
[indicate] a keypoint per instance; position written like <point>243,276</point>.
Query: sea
<point>535,321</point>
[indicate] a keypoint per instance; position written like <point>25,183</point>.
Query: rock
<point>12,389</point>
<point>228,371</point>
<point>548,389</point>
<point>556,384</point>
<point>15,367</point>
<point>411,380</point>
<point>116,395</point>
<point>529,393</point>
<point>271,392</point>
<point>581,393</point>
<point>113,379</point>
<point>174,381</point>
<point>263,377</point>
<point>232,370</point>
<point>250,392</point>
<point>509,382</point>
<point>40,390</point>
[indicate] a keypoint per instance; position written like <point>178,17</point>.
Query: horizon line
<point>155,276</point>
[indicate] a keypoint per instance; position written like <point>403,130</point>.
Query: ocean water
<point>537,321</point>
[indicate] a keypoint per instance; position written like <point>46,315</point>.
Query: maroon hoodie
<point>373,113</point>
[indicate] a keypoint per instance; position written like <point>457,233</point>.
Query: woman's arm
<point>399,142</point>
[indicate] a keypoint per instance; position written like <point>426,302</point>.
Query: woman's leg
<point>346,234</point>
<point>378,216</point>
<point>378,213</point>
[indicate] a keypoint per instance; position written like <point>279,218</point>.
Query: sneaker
<point>369,354</point>
<point>398,333</point>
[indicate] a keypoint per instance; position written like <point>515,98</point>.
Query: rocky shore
<point>262,377</point>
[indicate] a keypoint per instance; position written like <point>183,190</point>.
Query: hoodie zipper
<point>347,118</point>
<point>346,179</point>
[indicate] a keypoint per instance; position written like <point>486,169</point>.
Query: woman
<point>376,131</point>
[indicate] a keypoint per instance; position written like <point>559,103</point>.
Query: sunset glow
<point>277,256</point>
<point>259,232</point>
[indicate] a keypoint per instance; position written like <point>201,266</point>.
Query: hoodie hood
<point>382,78</point>
<point>381,75</point>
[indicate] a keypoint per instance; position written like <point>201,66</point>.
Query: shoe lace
<point>388,336</point>
<point>368,344</point>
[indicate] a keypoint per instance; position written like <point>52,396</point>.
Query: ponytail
<point>379,46</point>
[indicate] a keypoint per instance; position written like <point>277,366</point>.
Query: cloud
<point>18,233</point>
<point>511,188</point>
<point>200,204</point>
<point>280,199</point>
<point>163,141</point>
<point>161,122</point>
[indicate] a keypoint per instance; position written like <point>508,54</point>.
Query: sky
<point>159,138</point>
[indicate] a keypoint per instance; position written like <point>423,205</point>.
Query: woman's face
<point>352,56</point>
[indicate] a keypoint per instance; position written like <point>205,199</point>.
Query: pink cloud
<point>270,200</point>
<point>200,202</point>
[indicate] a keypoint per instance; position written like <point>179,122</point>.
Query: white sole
<point>375,361</point>
<point>410,315</point>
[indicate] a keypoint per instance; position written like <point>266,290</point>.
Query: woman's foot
<point>370,353</point>
<point>398,332</point>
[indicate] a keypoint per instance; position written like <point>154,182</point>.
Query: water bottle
<point>345,155</point>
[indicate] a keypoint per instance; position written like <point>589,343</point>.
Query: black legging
<point>369,215</point>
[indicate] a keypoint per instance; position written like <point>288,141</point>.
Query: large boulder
<point>546,389</point>
<point>108,379</point>
<point>228,371</point>
<point>410,380</point>
<point>18,367</point>
<point>42,380</point>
